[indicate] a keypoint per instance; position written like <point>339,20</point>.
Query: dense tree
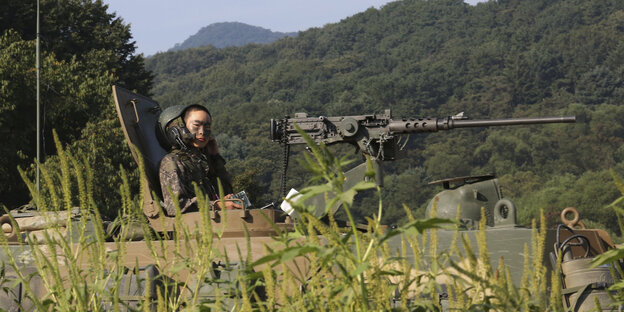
<point>84,51</point>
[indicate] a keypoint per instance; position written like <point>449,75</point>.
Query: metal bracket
<point>136,114</point>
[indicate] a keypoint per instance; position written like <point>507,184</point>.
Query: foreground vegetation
<point>347,269</point>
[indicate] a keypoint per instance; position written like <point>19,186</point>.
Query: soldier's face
<point>198,122</point>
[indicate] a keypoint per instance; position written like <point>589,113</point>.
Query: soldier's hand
<point>212,147</point>
<point>229,205</point>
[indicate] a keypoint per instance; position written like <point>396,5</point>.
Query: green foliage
<point>84,50</point>
<point>569,190</point>
<point>615,256</point>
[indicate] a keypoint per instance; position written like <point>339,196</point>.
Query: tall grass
<point>615,255</point>
<point>320,267</point>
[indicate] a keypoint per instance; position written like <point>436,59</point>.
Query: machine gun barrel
<point>512,121</point>
<point>447,123</point>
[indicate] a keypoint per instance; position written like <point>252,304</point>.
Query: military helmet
<point>170,114</point>
<point>175,136</point>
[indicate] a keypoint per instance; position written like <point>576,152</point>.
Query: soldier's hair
<point>192,108</point>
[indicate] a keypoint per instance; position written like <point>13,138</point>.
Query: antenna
<point>38,105</point>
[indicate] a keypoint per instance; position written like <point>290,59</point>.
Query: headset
<point>179,136</point>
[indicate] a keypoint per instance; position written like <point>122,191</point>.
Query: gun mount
<point>379,135</point>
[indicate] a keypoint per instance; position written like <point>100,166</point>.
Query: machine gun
<point>379,135</point>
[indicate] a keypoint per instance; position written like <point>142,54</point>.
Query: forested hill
<point>230,34</point>
<point>433,58</point>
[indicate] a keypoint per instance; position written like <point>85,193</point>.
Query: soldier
<point>194,158</point>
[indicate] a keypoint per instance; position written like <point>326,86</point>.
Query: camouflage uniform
<point>179,169</point>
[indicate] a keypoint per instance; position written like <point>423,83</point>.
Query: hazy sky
<point>157,25</point>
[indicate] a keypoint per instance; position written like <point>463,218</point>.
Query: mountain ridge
<point>230,34</point>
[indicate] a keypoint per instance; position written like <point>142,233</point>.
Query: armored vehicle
<point>243,235</point>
